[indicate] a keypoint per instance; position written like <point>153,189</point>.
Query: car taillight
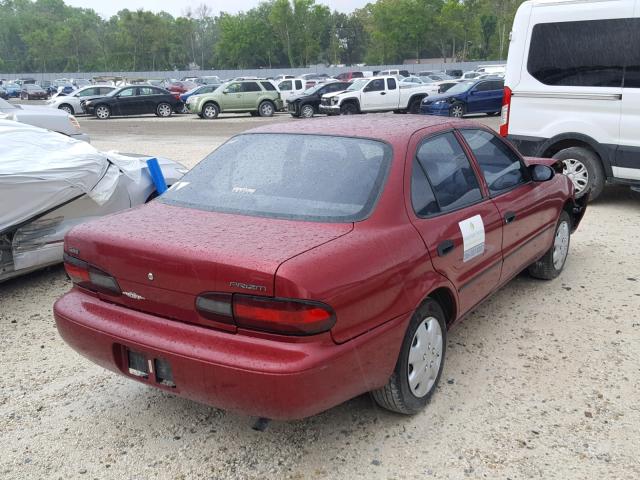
<point>504,114</point>
<point>273,315</point>
<point>87,276</point>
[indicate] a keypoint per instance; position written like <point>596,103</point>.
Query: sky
<point>176,8</point>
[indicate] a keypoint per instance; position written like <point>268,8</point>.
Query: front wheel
<point>164,110</point>
<point>210,111</point>
<point>552,263</point>
<point>103,112</point>
<point>307,111</point>
<point>414,107</point>
<point>456,110</point>
<point>66,108</point>
<point>266,109</point>
<point>419,364</point>
<point>349,108</point>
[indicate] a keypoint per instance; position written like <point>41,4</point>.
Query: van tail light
<point>266,314</point>
<point>504,114</point>
<point>87,276</point>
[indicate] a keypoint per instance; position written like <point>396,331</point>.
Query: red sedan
<point>299,266</point>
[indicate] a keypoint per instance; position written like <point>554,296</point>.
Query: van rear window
<point>590,53</point>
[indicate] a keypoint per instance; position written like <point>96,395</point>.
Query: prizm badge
<point>246,286</point>
<point>133,295</point>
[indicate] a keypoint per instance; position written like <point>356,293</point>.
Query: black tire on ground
<point>457,110</point>
<point>66,108</point>
<point>396,395</point>
<point>103,112</point>
<point>548,267</point>
<point>210,111</point>
<point>575,160</point>
<point>266,108</point>
<point>349,108</point>
<point>164,110</point>
<point>414,106</point>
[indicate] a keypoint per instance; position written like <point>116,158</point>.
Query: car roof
<point>389,128</point>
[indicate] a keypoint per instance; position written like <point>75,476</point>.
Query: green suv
<point>258,97</point>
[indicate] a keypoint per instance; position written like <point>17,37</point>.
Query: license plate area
<point>145,367</point>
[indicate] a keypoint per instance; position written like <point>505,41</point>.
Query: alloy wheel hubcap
<point>457,111</point>
<point>425,357</point>
<point>561,245</point>
<point>577,173</point>
<point>210,111</point>
<point>266,109</point>
<point>307,111</point>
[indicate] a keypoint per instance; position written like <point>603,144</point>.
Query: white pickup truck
<point>377,94</point>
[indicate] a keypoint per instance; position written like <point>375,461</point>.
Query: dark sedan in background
<point>33,92</point>
<point>308,104</point>
<point>134,100</point>
<point>474,96</point>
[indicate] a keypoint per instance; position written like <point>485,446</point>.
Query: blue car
<point>474,96</point>
<point>198,91</point>
<point>13,90</point>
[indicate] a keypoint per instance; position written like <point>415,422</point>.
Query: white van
<point>572,88</point>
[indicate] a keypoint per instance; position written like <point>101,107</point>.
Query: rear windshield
<point>304,177</point>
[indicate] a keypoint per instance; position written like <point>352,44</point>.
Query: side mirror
<point>225,91</point>
<point>541,173</point>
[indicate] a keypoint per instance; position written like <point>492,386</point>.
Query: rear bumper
<point>255,376</point>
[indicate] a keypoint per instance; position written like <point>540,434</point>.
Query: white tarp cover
<point>40,170</point>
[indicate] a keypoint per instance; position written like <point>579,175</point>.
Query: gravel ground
<point>541,381</point>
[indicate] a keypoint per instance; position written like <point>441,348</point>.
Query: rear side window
<point>305,177</point>
<point>391,83</point>
<point>450,174</point>
<point>422,197</point>
<point>582,54</point>
<point>251,87</point>
<point>298,84</point>
<point>501,167</point>
<point>268,86</point>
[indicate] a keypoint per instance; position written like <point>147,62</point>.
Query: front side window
<point>449,171</point>
<point>285,86</point>
<point>501,167</point>
<point>298,84</point>
<point>234,87</point>
<point>375,85</point>
<point>305,177</point>
<point>589,53</point>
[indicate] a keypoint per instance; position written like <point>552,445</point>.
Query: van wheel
<point>456,110</point>
<point>584,169</point>
<point>419,364</point>
<point>550,266</point>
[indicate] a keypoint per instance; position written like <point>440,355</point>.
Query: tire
<point>254,114</point>
<point>401,394</point>
<point>349,108</point>
<point>266,109</point>
<point>552,263</point>
<point>164,110</point>
<point>65,107</point>
<point>103,112</point>
<point>456,110</point>
<point>584,169</point>
<point>414,106</point>
<point>210,111</point>
<point>307,111</point>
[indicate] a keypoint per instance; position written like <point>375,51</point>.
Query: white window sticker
<point>472,237</point>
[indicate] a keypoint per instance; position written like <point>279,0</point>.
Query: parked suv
<point>572,89</point>
<point>258,97</point>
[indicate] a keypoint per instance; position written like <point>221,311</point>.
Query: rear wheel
<point>307,111</point>
<point>584,169</point>
<point>210,111</point>
<point>552,263</point>
<point>103,112</point>
<point>266,109</point>
<point>419,364</point>
<point>164,110</point>
<point>456,110</point>
<point>414,106</point>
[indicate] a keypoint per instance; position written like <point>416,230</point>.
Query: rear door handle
<point>509,217</point>
<point>445,248</point>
